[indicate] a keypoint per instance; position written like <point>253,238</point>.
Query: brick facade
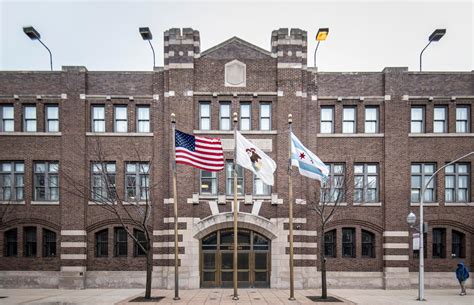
<point>279,77</point>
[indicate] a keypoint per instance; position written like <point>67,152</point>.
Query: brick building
<point>383,131</point>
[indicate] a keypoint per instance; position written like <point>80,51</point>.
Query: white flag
<point>253,158</point>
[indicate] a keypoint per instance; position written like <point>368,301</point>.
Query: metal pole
<point>153,50</point>
<point>175,208</point>
<point>315,53</point>
<point>50,55</point>
<point>236,206</point>
<point>421,276</point>
<point>290,207</point>
<point>421,54</point>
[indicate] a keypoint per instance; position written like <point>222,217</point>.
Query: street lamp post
<point>435,36</point>
<point>35,35</point>
<point>411,219</point>
<point>146,35</point>
<point>320,36</point>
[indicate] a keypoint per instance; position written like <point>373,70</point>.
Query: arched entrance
<point>216,259</point>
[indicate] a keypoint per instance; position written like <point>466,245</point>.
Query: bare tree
<point>132,206</point>
<point>325,203</point>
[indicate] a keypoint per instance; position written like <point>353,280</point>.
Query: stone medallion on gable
<point>235,74</point>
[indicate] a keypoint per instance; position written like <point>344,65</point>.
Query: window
<point>462,119</point>
<point>102,243</point>
<point>46,181</point>
<point>7,118</point>
<point>52,118</point>
<point>103,181</point>
<point>265,116</point>
<point>348,242</point>
<point>143,118</point>
<point>11,243</point>
<point>458,244</point>
<point>12,181</point>
<point>140,236</point>
<point>121,119</point>
<point>98,118</point>
<point>245,116</point>
<point>349,120</point>
<point>457,182</point>
<point>205,116</point>
<point>439,243</point>
<point>230,178</point>
<point>29,241</point>
<point>333,189</point>
<point>330,244</point>
<point>327,120</point>
<point>368,244</point>
<point>366,183</point>
<point>137,180</point>
<point>440,120</point>
<point>371,119</point>
<point>417,120</point>
<point>420,173</point>
<point>49,243</point>
<point>260,188</point>
<point>208,183</point>
<point>29,118</point>
<point>224,116</point>
<point>120,242</point>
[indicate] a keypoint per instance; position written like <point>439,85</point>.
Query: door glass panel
<point>226,276</point>
<point>209,276</point>
<point>260,276</point>
<point>243,261</point>
<point>260,261</point>
<point>209,260</point>
<point>227,260</point>
<point>243,276</point>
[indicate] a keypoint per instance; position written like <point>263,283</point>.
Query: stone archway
<point>225,220</point>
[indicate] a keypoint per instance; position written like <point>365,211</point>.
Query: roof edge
<point>238,40</point>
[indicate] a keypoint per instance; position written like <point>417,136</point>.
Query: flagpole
<point>175,208</point>
<point>235,265</point>
<point>290,212</point>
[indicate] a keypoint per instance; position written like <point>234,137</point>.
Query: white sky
<point>364,35</point>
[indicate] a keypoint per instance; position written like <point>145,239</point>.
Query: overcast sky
<point>364,35</point>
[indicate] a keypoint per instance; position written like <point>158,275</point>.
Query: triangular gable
<point>237,44</point>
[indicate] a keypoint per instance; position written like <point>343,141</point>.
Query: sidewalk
<point>224,296</point>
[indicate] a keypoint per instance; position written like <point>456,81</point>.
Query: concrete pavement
<point>224,296</point>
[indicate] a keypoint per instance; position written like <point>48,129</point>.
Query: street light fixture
<point>146,35</point>
<point>33,34</point>
<point>435,36</point>
<point>411,220</point>
<point>320,36</point>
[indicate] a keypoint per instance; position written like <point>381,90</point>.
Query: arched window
<point>458,244</point>
<point>11,242</point>
<point>29,241</point>
<point>140,236</point>
<point>49,243</point>
<point>348,242</point>
<point>102,243</point>
<point>330,244</point>
<point>439,243</point>
<point>368,244</point>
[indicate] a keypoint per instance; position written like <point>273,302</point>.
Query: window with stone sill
<point>229,172</point>
<point>29,118</point>
<point>120,118</point>
<point>462,119</point>
<point>98,118</point>
<point>440,119</point>
<point>7,119</point>
<point>208,183</point>
<point>143,118</point>
<point>420,173</point>
<point>12,185</point>
<point>103,181</point>
<point>417,119</point>
<point>349,120</point>
<point>245,116</point>
<point>457,180</point>
<point>204,115</point>
<point>327,119</point>
<point>46,181</point>
<point>52,118</point>
<point>371,120</point>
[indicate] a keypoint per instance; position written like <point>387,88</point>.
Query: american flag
<point>201,152</point>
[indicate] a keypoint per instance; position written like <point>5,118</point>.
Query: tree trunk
<point>324,288</point>
<point>149,270</point>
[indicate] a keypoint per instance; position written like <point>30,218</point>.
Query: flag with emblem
<point>200,152</point>
<point>309,164</point>
<point>249,156</point>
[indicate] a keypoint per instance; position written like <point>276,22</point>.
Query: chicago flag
<point>308,163</point>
